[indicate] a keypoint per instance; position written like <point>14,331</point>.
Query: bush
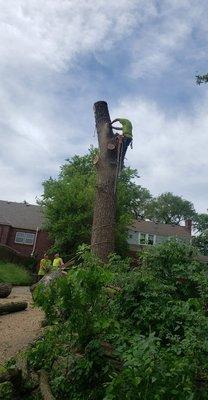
<point>118,333</point>
<point>14,274</point>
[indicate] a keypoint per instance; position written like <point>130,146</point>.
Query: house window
<point>150,239</point>
<point>142,238</point>
<point>146,238</point>
<point>24,238</point>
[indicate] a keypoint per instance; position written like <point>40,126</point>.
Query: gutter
<point>35,241</point>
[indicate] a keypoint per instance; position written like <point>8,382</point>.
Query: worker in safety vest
<point>57,262</point>
<point>126,133</point>
<point>45,266</point>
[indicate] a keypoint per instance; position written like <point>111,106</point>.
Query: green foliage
<point>68,204</point>
<point>201,242</point>
<point>201,222</point>
<point>170,209</point>
<point>201,79</point>
<point>119,333</point>
<point>6,391</point>
<point>15,274</point>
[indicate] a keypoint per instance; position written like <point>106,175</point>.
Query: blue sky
<point>57,57</point>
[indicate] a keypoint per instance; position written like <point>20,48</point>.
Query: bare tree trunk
<point>103,229</point>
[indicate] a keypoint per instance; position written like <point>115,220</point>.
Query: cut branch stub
<point>103,229</point>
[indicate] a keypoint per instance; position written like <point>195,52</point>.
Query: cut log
<point>44,386</point>
<point>5,290</point>
<point>10,307</point>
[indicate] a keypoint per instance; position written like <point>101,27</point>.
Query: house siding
<point>133,237</point>
<point>4,233</point>
<point>43,243</point>
<point>8,234</point>
<point>162,233</point>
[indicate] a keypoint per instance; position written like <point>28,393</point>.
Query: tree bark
<point>103,228</point>
<point>47,279</point>
<point>6,308</point>
<point>5,290</point>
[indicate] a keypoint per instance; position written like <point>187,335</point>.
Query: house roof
<point>20,215</point>
<point>160,229</point>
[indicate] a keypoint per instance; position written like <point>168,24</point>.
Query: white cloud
<point>39,42</point>
<point>42,45</point>
<point>168,37</point>
<point>170,153</point>
<point>52,33</point>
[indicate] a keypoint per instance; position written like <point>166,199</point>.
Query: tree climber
<point>127,134</point>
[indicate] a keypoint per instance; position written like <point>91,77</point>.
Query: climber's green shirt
<point>127,127</point>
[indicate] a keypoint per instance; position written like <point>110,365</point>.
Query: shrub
<point>14,274</point>
<point>119,333</point>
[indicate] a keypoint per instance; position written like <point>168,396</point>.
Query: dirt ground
<point>19,329</point>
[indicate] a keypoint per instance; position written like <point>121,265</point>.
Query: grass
<point>15,274</point>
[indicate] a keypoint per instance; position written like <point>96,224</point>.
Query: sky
<point>58,57</point>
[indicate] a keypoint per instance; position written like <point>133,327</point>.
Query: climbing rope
<point>119,160</point>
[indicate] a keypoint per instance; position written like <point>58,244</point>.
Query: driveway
<point>18,330</point>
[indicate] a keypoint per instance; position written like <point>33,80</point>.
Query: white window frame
<point>24,238</point>
<point>146,239</point>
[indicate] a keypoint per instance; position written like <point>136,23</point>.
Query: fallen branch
<point>10,307</point>
<point>45,387</point>
<point>113,290</point>
<point>47,280</point>
<point>116,288</point>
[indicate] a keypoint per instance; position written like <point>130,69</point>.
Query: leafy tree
<point>201,222</point>
<point>201,239</point>
<point>170,209</point>
<point>201,79</point>
<point>132,196</point>
<point>201,242</point>
<point>68,204</point>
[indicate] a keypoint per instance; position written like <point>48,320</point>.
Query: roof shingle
<point>20,215</point>
<point>160,229</point>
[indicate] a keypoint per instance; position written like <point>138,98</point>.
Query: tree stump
<point>5,290</point>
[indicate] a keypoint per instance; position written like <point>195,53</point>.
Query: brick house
<point>21,228</point>
<point>143,233</point>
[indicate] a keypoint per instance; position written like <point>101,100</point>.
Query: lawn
<point>15,274</point>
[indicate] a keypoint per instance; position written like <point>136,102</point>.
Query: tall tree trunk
<point>104,219</point>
